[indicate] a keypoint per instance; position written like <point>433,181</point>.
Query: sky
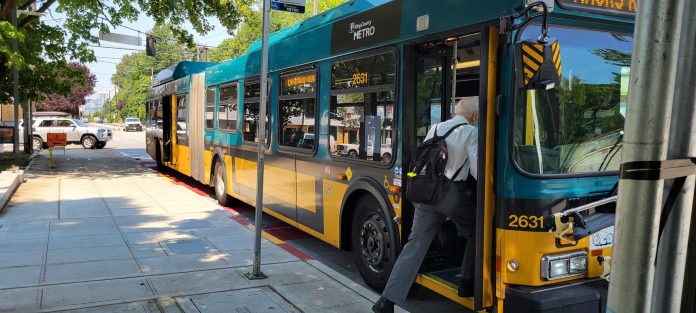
<point>107,58</point>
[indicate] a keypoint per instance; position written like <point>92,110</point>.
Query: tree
<point>134,73</point>
<point>45,49</point>
<point>250,29</point>
<point>82,86</point>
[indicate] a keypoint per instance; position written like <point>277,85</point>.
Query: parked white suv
<point>77,132</point>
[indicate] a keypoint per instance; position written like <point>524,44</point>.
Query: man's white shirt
<point>462,145</point>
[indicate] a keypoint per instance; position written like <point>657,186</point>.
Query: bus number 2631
<point>524,221</point>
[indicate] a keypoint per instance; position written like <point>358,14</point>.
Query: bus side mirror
<point>538,63</point>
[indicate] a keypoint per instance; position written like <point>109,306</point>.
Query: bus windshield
<point>576,127</point>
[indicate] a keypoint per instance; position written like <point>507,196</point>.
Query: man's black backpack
<point>427,182</point>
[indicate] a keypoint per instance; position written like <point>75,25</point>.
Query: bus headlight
<point>557,266</point>
<point>578,265</point>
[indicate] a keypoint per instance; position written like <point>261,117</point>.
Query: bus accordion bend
<point>354,90</point>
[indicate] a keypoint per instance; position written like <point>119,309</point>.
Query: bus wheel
<point>373,249</point>
<point>221,184</point>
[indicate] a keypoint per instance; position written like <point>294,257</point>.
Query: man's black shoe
<point>466,288</point>
<point>383,305</point>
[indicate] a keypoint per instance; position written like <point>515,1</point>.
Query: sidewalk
<point>101,233</point>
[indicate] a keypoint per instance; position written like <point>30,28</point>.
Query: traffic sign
<point>294,6</point>
<point>57,139</point>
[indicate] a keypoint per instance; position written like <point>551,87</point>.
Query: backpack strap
<point>449,131</point>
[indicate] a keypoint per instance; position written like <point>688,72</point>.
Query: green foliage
<point>134,73</point>
<point>45,49</point>
<point>251,28</point>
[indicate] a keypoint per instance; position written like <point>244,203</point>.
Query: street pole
<point>27,127</point>
<point>15,84</point>
<point>646,137</point>
<point>256,273</point>
<point>673,244</point>
<point>687,59</point>
<point>316,7</point>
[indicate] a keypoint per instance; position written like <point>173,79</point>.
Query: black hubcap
<point>374,242</point>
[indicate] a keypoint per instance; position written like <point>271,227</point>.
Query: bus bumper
<point>589,297</point>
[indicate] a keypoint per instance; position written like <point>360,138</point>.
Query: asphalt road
<point>132,145</point>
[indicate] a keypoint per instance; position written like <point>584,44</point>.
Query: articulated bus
<point>355,89</point>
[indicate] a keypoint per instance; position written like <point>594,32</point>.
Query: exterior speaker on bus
<point>539,63</point>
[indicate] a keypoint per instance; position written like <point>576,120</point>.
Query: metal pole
<point>15,84</point>
<point>257,274</point>
<point>687,59</point>
<point>316,7</point>
<point>455,60</point>
<point>27,127</point>
<point>672,248</point>
<point>653,66</point>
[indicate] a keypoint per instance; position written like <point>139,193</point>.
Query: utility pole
<point>15,84</point>
<point>646,139</point>
<point>27,127</point>
<point>687,62</point>
<point>256,272</point>
<point>672,247</point>
<point>316,7</point>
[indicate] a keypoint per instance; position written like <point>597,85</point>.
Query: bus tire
<point>373,251</point>
<point>220,184</point>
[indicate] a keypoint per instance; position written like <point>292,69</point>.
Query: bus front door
<point>167,128</point>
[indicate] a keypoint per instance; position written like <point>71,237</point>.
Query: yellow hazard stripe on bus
<point>532,52</point>
<point>532,58</point>
<point>556,48</point>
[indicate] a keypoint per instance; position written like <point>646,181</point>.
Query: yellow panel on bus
<point>333,197</point>
<point>282,186</point>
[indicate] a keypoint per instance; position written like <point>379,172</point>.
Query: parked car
<point>132,123</point>
<point>77,132</point>
<point>351,150</point>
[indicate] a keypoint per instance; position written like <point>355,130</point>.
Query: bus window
<point>252,98</point>
<point>297,110</point>
<point>577,127</point>
<point>210,108</point>
<point>362,107</point>
<point>181,115</point>
<point>158,113</point>
<point>227,107</point>
<point>429,94</point>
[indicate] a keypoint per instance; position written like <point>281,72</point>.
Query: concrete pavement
<point>101,233</point>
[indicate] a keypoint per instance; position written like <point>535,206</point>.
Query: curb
<point>31,160</point>
<point>9,182</point>
<point>350,284</point>
<point>345,281</point>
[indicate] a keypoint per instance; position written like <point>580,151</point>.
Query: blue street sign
<point>294,6</point>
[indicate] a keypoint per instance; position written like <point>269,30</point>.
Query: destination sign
<point>301,80</point>
<point>608,7</point>
<point>299,83</point>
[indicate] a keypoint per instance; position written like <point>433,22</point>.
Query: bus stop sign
<point>56,139</point>
<point>294,6</point>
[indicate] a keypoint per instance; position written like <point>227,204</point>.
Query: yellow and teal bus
<point>355,89</point>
